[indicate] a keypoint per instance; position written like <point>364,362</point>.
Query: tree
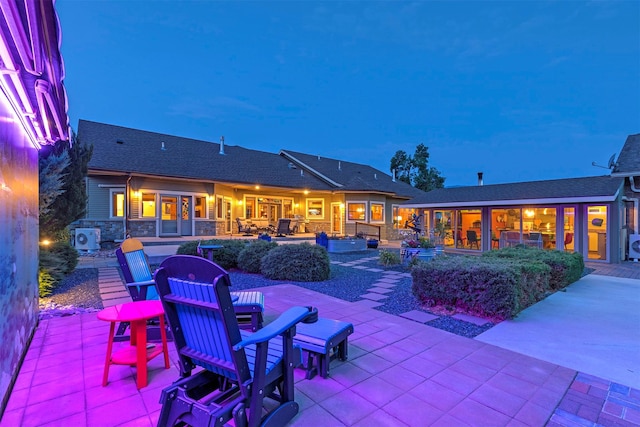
<point>415,170</point>
<point>70,204</point>
<point>51,178</point>
<point>401,164</point>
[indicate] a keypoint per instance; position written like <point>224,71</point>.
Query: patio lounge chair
<point>245,228</point>
<point>283,227</point>
<point>248,305</point>
<point>241,370</point>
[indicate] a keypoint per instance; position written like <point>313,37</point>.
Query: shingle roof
<point>126,150</point>
<point>352,177</point>
<point>628,163</point>
<point>596,188</point>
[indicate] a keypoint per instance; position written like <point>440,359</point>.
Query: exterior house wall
<point>385,228</point>
<point>581,228</point>
<point>18,247</point>
<point>98,213</point>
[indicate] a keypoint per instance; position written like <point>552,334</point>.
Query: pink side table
<point>136,313</point>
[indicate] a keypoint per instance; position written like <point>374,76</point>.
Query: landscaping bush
<point>67,254</point>
<point>297,262</point>
<point>50,272</point>
<point>487,287</point>
<point>388,258</point>
<point>226,257</point>
<point>251,256</point>
<point>566,267</point>
<point>46,283</point>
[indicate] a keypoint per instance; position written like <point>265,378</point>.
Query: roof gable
<point>349,176</point>
<point>628,163</point>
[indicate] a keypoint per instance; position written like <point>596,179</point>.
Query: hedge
<point>566,267</point>
<point>297,262</point>
<point>495,288</point>
<point>226,257</point>
<point>250,258</point>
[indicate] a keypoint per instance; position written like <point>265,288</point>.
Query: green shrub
<point>251,256</point>
<point>226,257</point>
<point>489,287</point>
<point>566,267</point>
<point>67,253</point>
<point>297,262</point>
<point>46,283</point>
<point>189,248</point>
<point>50,271</point>
<point>388,258</point>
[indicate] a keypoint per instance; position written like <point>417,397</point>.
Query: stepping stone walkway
<point>112,288</point>
<point>386,284</point>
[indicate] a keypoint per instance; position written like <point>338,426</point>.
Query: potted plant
<point>422,248</point>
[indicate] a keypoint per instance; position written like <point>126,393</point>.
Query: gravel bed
<point>76,294</point>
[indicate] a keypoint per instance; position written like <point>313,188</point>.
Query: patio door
<point>185,216</point>
<point>336,218</point>
<point>168,215</point>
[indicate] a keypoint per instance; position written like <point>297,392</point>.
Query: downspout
<point>127,200</point>
<point>635,204</point>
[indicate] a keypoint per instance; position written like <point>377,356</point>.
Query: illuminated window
<point>200,209</point>
<point>148,205</point>
<point>219,207</point>
<point>377,212</point>
<point>315,208</point>
<point>356,211</point>
<point>117,204</point>
<point>250,207</point>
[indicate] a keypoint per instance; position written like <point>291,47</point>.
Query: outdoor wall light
<point>306,192</point>
<point>239,202</point>
<point>136,194</point>
<point>257,187</point>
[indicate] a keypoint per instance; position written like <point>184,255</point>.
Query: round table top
<point>131,311</point>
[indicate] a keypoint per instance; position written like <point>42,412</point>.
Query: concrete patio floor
<point>400,371</point>
<point>593,327</point>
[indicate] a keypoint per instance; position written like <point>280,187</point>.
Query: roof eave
<point>512,202</point>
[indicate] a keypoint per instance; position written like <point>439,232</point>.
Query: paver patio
<point>400,372</point>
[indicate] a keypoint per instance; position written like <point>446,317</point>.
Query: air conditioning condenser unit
<point>634,246</point>
<point>87,239</point>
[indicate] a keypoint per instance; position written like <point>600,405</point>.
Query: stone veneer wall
<point>18,249</point>
<point>206,228</point>
<point>142,228</point>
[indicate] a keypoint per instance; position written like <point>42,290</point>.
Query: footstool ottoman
<point>324,341</point>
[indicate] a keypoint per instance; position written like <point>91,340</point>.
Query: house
<point>628,167</point>
<point>32,113</point>
<point>148,184</point>
<point>595,216</point>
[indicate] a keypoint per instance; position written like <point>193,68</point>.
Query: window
<point>148,205</point>
<point>219,207</point>
<point>356,211</point>
<point>250,207</point>
<point>200,210</point>
<point>315,208</point>
<point>401,216</point>
<point>117,204</point>
<point>287,208</point>
<point>377,212</point>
